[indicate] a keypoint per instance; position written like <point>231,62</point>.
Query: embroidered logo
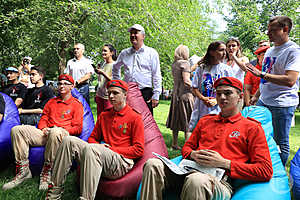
<point>234,134</point>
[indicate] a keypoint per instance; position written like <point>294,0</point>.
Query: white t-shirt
<point>277,60</point>
<point>238,72</point>
<point>78,68</point>
<point>204,80</point>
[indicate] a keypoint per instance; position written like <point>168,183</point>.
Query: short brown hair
<point>282,21</point>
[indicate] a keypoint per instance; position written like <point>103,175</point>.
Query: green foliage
<point>47,30</point>
<point>248,19</point>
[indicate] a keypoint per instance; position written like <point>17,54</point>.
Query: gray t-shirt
<point>277,60</point>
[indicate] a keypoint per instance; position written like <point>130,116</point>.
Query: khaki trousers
<point>23,136</point>
<point>157,177</point>
<point>95,161</point>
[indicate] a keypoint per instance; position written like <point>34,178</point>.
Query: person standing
<point>251,82</point>
<point>236,59</point>
<point>62,115</point>
<point>262,43</point>
<point>182,98</point>
<point>109,54</point>
<point>24,70</point>
<point>81,69</point>
<point>278,89</point>
<point>14,88</point>
<point>141,65</point>
<point>211,67</point>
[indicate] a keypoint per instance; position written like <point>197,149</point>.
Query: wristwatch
<point>263,74</point>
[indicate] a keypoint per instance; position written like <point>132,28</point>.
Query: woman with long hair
<point>211,68</point>
<point>182,98</point>
<point>236,59</point>
<point>109,55</point>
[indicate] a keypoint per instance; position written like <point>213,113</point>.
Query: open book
<point>188,166</point>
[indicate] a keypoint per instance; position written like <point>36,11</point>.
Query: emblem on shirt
<point>65,113</point>
<point>13,92</point>
<point>124,126</point>
<point>38,99</point>
<point>234,134</point>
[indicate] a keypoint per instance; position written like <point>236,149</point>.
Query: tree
<point>248,19</point>
<point>47,29</point>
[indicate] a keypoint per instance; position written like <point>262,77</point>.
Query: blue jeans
<point>84,90</point>
<point>281,120</point>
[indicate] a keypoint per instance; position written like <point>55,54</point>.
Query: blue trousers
<point>281,120</point>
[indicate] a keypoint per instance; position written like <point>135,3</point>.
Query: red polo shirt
<point>123,131</point>
<point>241,140</point>
<point>66,114</point>
<point>250,79</point>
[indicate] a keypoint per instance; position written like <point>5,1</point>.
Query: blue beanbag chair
<point>36,154</point>
<point>295,175</point>
<point>278,187</point>
<point>10,119</point>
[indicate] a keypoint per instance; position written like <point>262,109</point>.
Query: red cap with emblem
<point>66,77</point>
<point>230,81</point>
<point>117,83</point>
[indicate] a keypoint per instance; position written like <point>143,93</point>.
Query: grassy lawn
<point>29,189</point>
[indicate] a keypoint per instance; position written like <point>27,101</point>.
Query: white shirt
<point>141,66</point>
<point>78,68</point>
<point>277,60</point>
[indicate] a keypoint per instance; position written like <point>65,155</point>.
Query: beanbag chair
<point>36,154</point>
<point>127,185</point>
<point>295,175</point>
<point>278,187</point>
<point>10,119</point>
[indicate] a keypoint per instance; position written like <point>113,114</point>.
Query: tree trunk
<point>62,56</point>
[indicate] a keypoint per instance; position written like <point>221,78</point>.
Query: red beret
<point>230,81</point>
<point>66,77</point>
<point>261,49</point>
<point>117,83</point>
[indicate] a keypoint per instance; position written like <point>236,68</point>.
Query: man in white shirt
<point>80,68</point>
<point>279,81</point>
<point>141,65</point>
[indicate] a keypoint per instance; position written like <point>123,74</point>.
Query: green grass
<point>29,189</point>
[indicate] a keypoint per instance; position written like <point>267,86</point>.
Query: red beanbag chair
<point>127,186</point>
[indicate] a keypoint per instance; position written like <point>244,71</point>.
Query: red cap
<point>117,83</point>
<point>66,77</point>
<point>230,81</point>
<point>261,49</point>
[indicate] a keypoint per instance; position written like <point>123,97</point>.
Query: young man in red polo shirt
<point>227,141</point>
<point>62,115</point>
<point>118,139</point>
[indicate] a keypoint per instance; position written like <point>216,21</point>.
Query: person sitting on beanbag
<point>118,140</point>
<point>62,116</point>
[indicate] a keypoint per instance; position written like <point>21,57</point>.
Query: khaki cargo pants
<point>157,177</point>
<point>95,161</point>
<point>23,136</point>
